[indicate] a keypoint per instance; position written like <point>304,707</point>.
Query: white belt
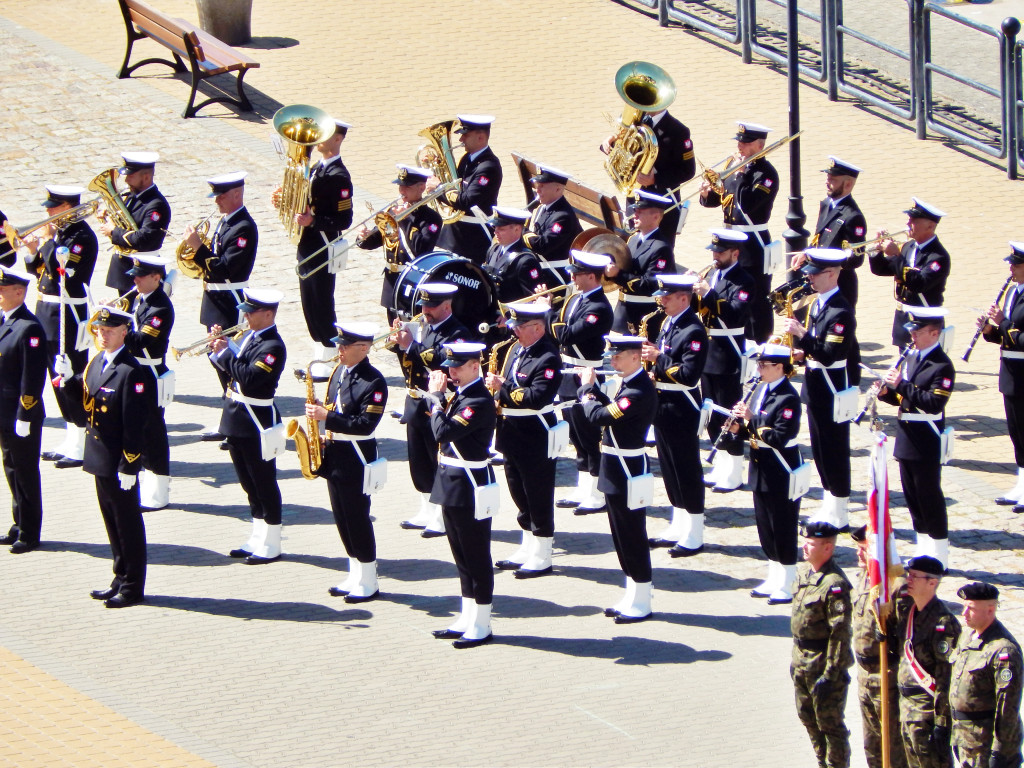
<point>562,263</point>
<point>467,219</point>
<point>581,362</point>
<point>747,227</point>
<point>152,362</point>
<point>1011,354</point>
<point>920,416</point>
<point>226,286</point>
<point>527,411</point>
<point>791,444</point>
<point>351,438</point>
<point>901,307</point>
<point>630,298</point>
<point>833,366</point>
<point>258,401</point>
<point>624,453</point>
<point>670,387</point>
<point>48,299</point>
<point>448,461</point>
<point>726,331</point>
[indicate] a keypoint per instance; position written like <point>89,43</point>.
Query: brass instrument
<point>80,212</point>
<point>601,240</point>
<point>983,321</point>
<point>896,237</point>
<point>301,126</point>
<point>308,443</point>
<point>642,331</point>
<point>533,297</point>
<point>437,156</point>
<point>716,180</point>
<point>645,88</point>
<point>186,257</point>
<point>492,362</point>
<point>782,299</point>
<point>105,185</point>
<point>202,346</point>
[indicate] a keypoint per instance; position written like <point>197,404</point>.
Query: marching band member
<point>624,421</point>
<point>464,427</point>
<point>677,356</point>
<point>328,214</point>
<point>356,397</point>
<point>725,302</point>
<point>227,262</point>
<point>650,256</point>
<point>118,396</point>
<point>149,210</point>
<point>418,357</point>
<point>553,225</point>
<point>1002,326</point>
<point>252,368</point>
<point>514,268</point>
<point>582,323</point>
<point>921,389</point>
<point>920,267</point>
<point>23,363</point>
<point>479,176</point>
<point>44,259</point>
<point>772,419</point>
<point>825,345</point>
<point>747,206</point>
<point>526,392</point>
<point>418,231</point>
<point>148,340</point>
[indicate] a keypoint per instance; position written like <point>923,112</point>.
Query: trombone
<point>202,346</point>
<point>715,179</point>
<point>79,213</point>
<point>385,221</point>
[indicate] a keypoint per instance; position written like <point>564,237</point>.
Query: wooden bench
<point>207,55</point>
<point>593,207</point>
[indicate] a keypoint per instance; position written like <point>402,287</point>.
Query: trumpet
<point>391,331</point>
<point>202,346</point>
<point>16,237</point>
<point>534,296</point>
<point>896,237</point>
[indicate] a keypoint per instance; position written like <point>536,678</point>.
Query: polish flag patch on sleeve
<point>935,266</point>
<point>155,322</point>
<point>556,227</point>
<point>549,373</point>
<point>241,242</point>
<point>433,227</point>
<point>768,183</point>
<point>660,264</point>
<point>695,346</point>
<point>378,397</point>
<point>466,413</point>
<point>345,193</point>
<point>839,327</point>
<point>787,413</point>
<point>623,403</point>
<point>33,341</point>
<point>688,144</point>
<point>947,383</point>
<point>269,359</point>
<point>858,231</point>
<point>591,318</point>
<point>743,295</point>
<point>154,216</point>
<point>76,249</point>
<point>534,273</point>
<point>483,181</point>
<point>140,388</point>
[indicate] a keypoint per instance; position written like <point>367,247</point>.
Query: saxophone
<point>308,443</point>
<point>644,321</point>
<point>492,362</point>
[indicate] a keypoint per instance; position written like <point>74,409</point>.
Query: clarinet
<point>984,321</point>
<point>727,424</point>
<point>872,394</point>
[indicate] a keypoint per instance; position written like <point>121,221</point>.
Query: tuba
<point>105,185</point>
<point>301,127</point>
<point>644,87</point>
<point>186,257</point>
<point>308,443</point>
<point>437,156</point>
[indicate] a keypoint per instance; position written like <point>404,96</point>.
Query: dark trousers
<point>830,446</point>
<point>531,481</point>
<point>257,477</point>
<point>1014,408</point>
<point>71,409</point>
<point>470,540</point>
<point>586,439</point>
<point>675,434</point>
<point>922,488</point>
<point>776,517</point>
<point>629,534</point>
<point>724,389</point>
<point>126,533</point>
<point>317,296</point>
<point>157,453</point>
<point>422,452</point>
<point>351,508</point>
<point>21,465</point>
<point>762,320</point>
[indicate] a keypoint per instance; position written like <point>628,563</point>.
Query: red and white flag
<point>883,561</point>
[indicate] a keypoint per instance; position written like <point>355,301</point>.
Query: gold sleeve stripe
<point>263,366</point>
<point>615,411</point>
<point>149,330</point>
<point>28,402</point>
<point>461,421</point>
<point>75,258</point>
<point>833,339</point>
<point>762,187</point>
<point>943,392</point>
<point>375,409</point>
<point>344,205</point>
<point>688,155</point>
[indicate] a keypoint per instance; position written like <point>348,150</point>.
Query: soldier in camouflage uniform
<point>926,632</point>
<point>865,650</point>
<point>821,646</point>
<point>985,689</point>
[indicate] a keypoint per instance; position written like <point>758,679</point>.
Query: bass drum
<point>475,302</point>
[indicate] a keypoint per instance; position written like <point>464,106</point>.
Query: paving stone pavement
<point>258,666</point>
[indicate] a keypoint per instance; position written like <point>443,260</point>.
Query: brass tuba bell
<point>301,127</point>
<point>645,87</point>
<point>437,156</point>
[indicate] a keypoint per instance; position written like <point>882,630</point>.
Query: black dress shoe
<point>21,547</point>
<point>1018,508</point>
<point>408,525</point>
<point>238,553</point>
<point>65,463</point>
<point>121,600</point>
<point>567,503</point>
<point>589,510</point>
<point>611,613</point>
<point>680,551</point>
<point>432,534</point>
<point>356,599</point>
<point>658,542</point>
<point>1002,501</point>
<point>622,619</point>
<point>522,573</point>
<point>446,634</point>
<point>337,592</point>
<point>257,560</point>
<point>211,437</point>
<point>103,594</point>
<point>780,600</point>
<point>7,539</point>
<point>507,565</point>
<point>758,595</point>
<point>224,445</point>
<point>54,455</point>
<point>462,642</point>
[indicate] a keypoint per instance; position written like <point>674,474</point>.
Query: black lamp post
<point>795,235</point>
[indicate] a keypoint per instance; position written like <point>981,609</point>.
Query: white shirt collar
<point>824,297</point>
<point>476,154</point>
<point>467,386</point>
<point>108,357</point>
<point>633,374</point>
<point>923,353</point>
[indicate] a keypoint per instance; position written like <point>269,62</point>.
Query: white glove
<point>62,365</point>
<point>127,481</point>
<point>21,428</point>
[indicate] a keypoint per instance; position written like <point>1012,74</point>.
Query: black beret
<point>926,564</point>
<point>859,534</point>
<point>978,590</point>
<point>820,530</point>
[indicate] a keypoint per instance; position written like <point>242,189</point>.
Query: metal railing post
<point>663,13</point>
<point>747,23</point>
<point>1008,65</point>
<point>830,45</point>
<point>918,73</point>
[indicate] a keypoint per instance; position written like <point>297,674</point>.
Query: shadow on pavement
<point>623,650</point>
<point>981,540</point>
<point>766,626</point>
<point>665,579</point>
<point>157,554</point>
<point>253,610</point>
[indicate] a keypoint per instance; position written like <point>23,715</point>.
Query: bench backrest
<point>154,23</point>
